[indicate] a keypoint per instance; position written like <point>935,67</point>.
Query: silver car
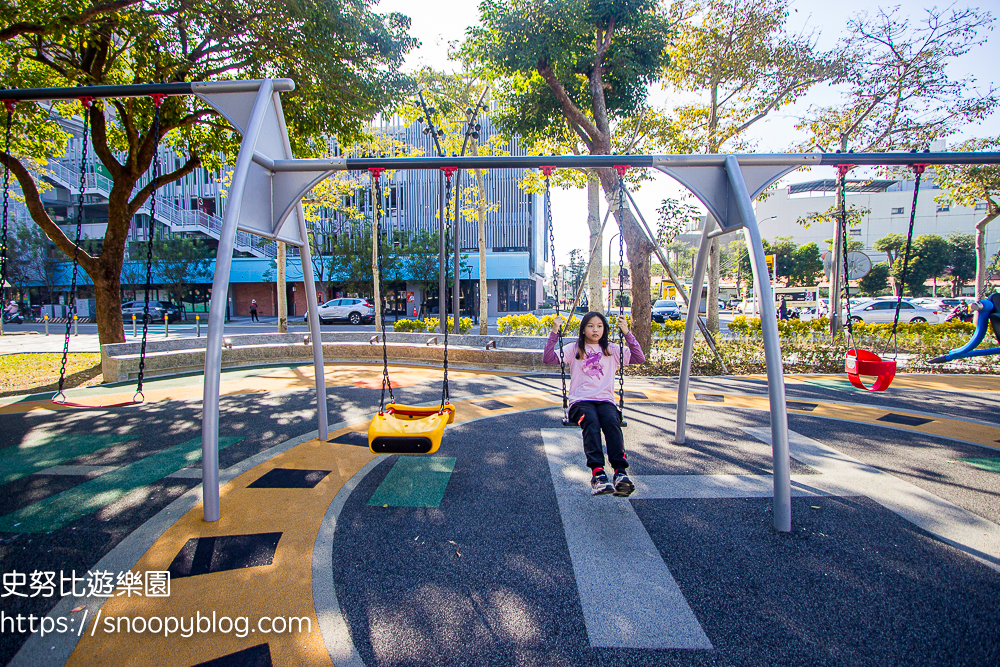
<point>353,310</point>
<point>883,311</point>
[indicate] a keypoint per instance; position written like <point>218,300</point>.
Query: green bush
<point>806,350</point>
<point>431,324</point>
<point>408,326</point>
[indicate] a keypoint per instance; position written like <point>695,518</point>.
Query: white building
<point>888,203</point>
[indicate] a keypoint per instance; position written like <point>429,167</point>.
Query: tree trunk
<point>282,290</point>
<point>714,274</point>
<point>484,298</point>
<point>108,302</point>
<point>981,259</point>
<point>638,251</point>
<point>595,291</point>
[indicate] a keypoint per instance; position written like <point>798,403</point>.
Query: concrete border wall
<point>120,361</point>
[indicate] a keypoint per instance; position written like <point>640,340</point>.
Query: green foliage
<point>806,349</point>
<point>674,216</point>
<point>432,325</point>
<point>740,61</point>
<point>807,265</point>
<point>176,259</point>
<point>876,281</point>
<point>962,261</point>
<point>522,43</point>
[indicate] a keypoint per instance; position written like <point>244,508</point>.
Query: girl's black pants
<point>594,417</point>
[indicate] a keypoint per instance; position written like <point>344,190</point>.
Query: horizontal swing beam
<point>640,161</point>
<point>141,90</point>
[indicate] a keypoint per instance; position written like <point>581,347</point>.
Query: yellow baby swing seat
<point>405,429</point>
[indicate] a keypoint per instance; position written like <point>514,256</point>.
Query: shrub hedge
<point>430,325</point>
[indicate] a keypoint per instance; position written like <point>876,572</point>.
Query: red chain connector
<point>918,168</point>
<point>842,169</point>
<point>86,101</point>
<point>547,170</point>
<point>448,171</point>
<point>376,172</point>
<point>622,168</point>
<point>10,104</point>
<point>157,98</point>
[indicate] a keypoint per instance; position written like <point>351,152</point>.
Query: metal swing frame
<point>268,185</point>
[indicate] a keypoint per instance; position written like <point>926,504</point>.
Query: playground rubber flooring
<point>491,551</point>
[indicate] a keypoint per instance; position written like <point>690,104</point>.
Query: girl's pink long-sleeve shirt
<point>592,378</point>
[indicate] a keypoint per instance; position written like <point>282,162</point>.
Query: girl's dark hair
<point>581,342</point>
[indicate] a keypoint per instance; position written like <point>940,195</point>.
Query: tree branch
<point>142,195</point>
<point>63,22</point>
<point>99,140</point>
<point>566,104</point>
<point>34,203</point>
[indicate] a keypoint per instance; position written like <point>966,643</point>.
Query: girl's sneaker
<point>599,485</point>
<point>623,486</point>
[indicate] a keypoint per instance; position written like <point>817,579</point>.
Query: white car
<point>879,311</point>
<point>353,310</point>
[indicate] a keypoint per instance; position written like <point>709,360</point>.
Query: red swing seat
<point>862,362</point>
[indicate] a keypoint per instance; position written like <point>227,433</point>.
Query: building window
<point>855,232</point>
<point>981,206</point>
<point>943,208</point>
<point>897,211</point>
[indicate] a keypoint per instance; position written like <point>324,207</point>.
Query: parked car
<point>883,310</point>
<point>157,309</point>
<point>666,309</point>
<point>701,306</point>
<point>355,311</point>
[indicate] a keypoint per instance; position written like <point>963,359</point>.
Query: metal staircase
<point>67,175</point>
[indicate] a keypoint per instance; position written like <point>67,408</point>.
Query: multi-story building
<point>887,206</point>
<point>194,206</point>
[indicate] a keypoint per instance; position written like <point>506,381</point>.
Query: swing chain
<point>6,196</point>
<point>157,101</point>
<point>442,301</point>
<point>918,170</point>
<point>622,169</point>
<point>86,102</point>
<point>842,170</point>
<point>376,175</point>
<point>547,171</point>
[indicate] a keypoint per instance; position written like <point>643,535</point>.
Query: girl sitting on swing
<point>593,362</point>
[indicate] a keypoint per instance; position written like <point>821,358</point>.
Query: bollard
<point>133,326</point>
<point>197,324</point>
<point>46,325</point>
<point>166,325</point>
<point>76,331</point>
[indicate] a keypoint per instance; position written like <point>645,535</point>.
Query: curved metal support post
<point>315,334</point>
<point>217,308</point>
<point>772,355</point>
<point>690,324</point>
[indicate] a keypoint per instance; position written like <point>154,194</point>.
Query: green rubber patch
<point>29,458</point>
<point>64,508</point>
<point>843,385</point>
<point>414,482</point>
<point>989,465</point>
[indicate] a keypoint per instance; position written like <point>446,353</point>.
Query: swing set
<point>860,362</point>
<point>268,184</point>
<point>86,102</point>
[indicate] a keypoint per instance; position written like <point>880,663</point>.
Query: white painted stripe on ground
<point>958,527</point>
<point>628,595</point>
<point>728,486</point>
